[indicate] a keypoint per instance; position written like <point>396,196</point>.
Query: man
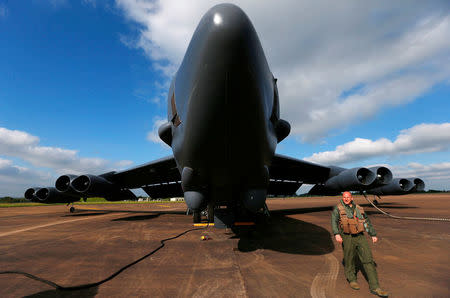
<point>348,222</point>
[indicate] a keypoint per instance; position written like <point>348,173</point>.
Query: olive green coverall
<point>356,245</point>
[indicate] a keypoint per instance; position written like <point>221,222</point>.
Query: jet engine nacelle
<point>398,186</point>
<point>418,184</point>
<point>98,186</point>
<point>30,194</point>
<point>64,183</point>
<point>50,195</point>
<point>91,185</point>
<point>383,176</point>
<point>351,179</point>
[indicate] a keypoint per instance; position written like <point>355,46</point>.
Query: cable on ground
<point>94,284</point>
<point>404,217</point>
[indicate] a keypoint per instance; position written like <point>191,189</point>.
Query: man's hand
<point>339,238</point>
<point>374,239</point>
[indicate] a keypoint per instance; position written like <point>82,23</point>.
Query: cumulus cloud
<point>335,67</point>
<point>25,146</point>
<point>417,139</point>
<point>437,171</point>
<point>153,136</point>
<point>15,179</point>
<point>435,176</point>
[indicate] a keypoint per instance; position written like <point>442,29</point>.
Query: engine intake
<point>351,179</point>
<point>92,185</point>
<point>30,194</point>
<point>63,183</point>
<point>418,183</point>
<point>398,186</point>
<point>52,195</point>
<point>383,176</point>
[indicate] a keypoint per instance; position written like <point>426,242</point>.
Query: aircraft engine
<point>383,176</point>
<point>418,183</point>
<point>397,186</point>
<point>30,194</point>
<point>63,183</point>
<point>91,185</point>
<point>52,195</point>
<point>97,186</point>
<point>351,179</point>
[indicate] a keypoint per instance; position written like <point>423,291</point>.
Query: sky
<point>83,84</point>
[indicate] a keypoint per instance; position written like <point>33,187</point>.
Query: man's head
<point>347,197</point>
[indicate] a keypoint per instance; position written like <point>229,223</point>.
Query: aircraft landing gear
<point>210,212</point>
<point>72,208</point>
<point>197,216</point>
<point>375,201</point>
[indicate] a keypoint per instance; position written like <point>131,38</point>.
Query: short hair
<point>347,193</point>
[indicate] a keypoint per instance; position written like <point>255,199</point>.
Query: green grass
<point>5,205</point>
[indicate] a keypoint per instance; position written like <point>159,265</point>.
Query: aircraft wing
<point>163,170</point>
<point>288,168</point>
<point>159,178</point>
<point>287,174</point>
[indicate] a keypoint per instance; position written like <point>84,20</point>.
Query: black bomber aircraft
<point>223,125</point>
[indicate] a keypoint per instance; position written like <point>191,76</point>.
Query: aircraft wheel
<point>197,217</point>
<point>72,209</point>
<point>375,202</point>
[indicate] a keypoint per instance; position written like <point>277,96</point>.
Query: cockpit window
<point>175,118</point>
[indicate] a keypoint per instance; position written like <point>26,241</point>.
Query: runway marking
<point>324,283</point>
<point>48,225</point>
<point>203,224</point>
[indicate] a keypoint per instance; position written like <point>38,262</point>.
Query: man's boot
<point>354,285</point>
<point>379,292</point>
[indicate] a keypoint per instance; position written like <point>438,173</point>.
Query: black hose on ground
<point>94,284</point>
<point>404,217</point>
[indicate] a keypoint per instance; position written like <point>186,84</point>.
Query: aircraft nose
<point>225,36</point>
<point>227,18</point>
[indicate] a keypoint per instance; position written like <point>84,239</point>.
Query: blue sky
<point>83,83</point>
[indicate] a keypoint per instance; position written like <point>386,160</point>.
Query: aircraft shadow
<point>84,214</point>
<point>103,211</point>
<point>284,234</point>
<point>137,217</point>
<point>384,206</point>
<point>301,210</point>
<point>89,292</point>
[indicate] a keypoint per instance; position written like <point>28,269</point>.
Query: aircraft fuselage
<point>223,110</point>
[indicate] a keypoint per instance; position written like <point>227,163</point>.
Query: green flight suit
<point>356,245</point>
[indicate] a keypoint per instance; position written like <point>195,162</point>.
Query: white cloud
<point>14,179</point>
<point>417,139</point>
<point>436,176</point>
<point>394,50</point>
<point>153,136</point>
<point>25,146</point>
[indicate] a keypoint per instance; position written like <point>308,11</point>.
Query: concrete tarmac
<point>292,254</point>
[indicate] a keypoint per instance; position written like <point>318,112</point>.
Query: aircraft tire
<point>72,209</point>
